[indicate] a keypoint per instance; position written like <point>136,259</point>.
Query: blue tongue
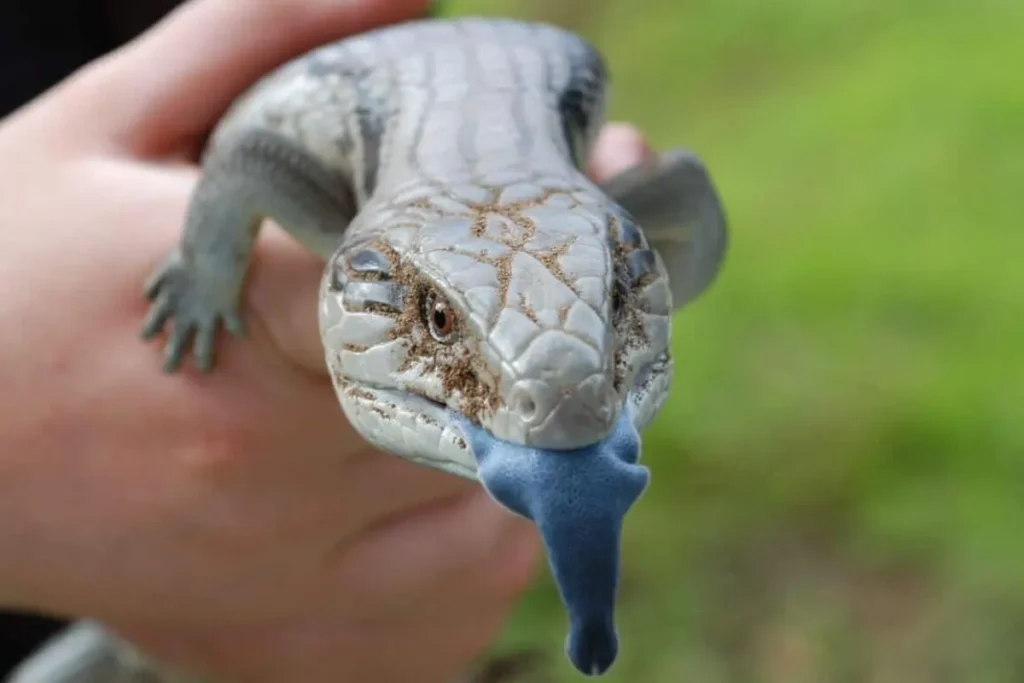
<point>577,500</point>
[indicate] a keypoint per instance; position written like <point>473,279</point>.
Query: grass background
<point>838,477</point>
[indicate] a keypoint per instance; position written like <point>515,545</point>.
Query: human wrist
<point>28,496</point>
<point>15,590</point>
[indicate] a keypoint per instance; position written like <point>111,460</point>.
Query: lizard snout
<point>567,417</point>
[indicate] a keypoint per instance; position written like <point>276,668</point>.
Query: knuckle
<point>285,14</point>
<point>216,447</point>
<point>511,567</point>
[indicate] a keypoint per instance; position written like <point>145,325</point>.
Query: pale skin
<point>234,522</point>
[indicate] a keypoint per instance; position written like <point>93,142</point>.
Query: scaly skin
<point>481,295</point>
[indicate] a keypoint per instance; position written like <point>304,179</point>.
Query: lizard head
<point>522,337</point>
<point>539,320</point>
<point>521,341</point>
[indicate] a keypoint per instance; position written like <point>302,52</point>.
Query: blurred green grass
<point>839,473</point>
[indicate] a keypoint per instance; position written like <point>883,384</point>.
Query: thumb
<point>166,90</point>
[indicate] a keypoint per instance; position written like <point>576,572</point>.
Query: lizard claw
<point>180,296</point>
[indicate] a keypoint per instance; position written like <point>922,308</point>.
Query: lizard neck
<point>490,139</point>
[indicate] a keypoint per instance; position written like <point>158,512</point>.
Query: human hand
<point>233,523</point>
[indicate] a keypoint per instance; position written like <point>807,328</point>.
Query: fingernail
<point>620,146</point>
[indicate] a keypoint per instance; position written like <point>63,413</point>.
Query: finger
<point>383,485</point>
<point>394,563</point>
<point>169,87</point>
<point>501,576</point>
<point>284,291</point>
<point>431,647</point>
<point>619,146</point>
<point>450,605</point>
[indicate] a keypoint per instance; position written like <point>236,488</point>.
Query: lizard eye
<point>440,317</point>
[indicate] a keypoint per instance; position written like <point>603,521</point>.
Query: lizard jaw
<point>407,425</point>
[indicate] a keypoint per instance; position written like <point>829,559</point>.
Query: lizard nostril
<point>531,401</point>
<point>526,406</point>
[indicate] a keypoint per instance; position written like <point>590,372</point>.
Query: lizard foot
<point>179,295</point>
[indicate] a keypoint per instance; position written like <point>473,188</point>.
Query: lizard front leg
<point>252,175</point>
